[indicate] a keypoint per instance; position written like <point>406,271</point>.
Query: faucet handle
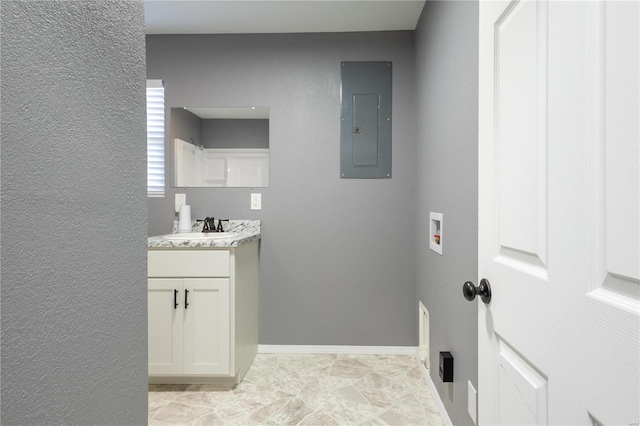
<point>220,228</point>
<point>207,224</point>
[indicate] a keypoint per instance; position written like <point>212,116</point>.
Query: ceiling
<point>279,16</point>
<point>234,113</point>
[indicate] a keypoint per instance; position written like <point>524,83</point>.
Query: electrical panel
<point>365,126</point>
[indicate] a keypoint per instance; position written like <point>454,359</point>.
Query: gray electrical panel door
<point>365,131</point>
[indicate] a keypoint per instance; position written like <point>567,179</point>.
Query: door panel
<point>521,133</point>
<point>619,161</point>
<point>165,326</point>
<point>522,390</point>
<point>207,344</point>
<point>559,212</point>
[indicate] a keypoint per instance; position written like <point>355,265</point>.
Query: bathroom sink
<point>200,236</point>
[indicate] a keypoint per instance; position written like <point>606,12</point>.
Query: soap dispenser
<point>184,221</point>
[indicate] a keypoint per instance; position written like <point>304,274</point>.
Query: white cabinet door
<point>559,213</point>
<point>165,325</point>
<point>206,326</point>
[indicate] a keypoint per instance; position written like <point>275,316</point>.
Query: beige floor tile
<point>382,397</point>
<point>373,380</point>
<point>208,420</point>
<point>351,394</point>
<point>319,417</point>
<point>180,414</point>
<point>242,405</point>
<point>205,399</point>
<point>351,413</point>
<point>348,371</point>
<point>292,413</point>
<point>262,414</point>
<point>304,389</point>
<point>375,421</point>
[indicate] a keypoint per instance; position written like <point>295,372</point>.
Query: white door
<point>166,321</point>
<point>558,213</point>
<point>206,326</point>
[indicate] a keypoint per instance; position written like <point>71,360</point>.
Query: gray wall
<point>447,105</point>
<point>73,219</point>
<point>338,256</point>
<point>184,125</point>
<point>217,132</point>
<point>235,133</point>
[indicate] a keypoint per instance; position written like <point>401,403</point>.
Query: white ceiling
<point>279,16</point>
<point>235,113</point>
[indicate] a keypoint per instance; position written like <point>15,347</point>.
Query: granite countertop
<point>248,230</point>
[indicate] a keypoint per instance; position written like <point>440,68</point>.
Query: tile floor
<point>287,389</point>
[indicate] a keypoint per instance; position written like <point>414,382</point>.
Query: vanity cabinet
<point>202,313</point>
<point>188,326</point>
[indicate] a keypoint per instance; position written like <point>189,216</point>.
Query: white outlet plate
<point>472,402</point>
<point>181,199</point>
<point>256,201</point>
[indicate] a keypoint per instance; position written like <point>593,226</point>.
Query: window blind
<point>155,138</point>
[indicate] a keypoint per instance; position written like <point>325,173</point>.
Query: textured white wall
<point>73,219</point>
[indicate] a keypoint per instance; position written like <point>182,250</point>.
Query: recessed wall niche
<point>435,232</point>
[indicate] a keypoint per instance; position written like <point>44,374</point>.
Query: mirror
<point>220,147</point>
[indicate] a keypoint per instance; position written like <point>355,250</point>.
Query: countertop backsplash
<point>239,226</point>
<point>247,230</point>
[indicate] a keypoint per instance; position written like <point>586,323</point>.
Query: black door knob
<point>470,291</point>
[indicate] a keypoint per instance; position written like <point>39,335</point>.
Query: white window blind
<point>155,138</point>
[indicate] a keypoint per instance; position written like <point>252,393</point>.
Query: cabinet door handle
<point>175,299</point>
<point>186,296</point>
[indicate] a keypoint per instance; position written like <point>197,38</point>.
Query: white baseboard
<point>329,349</point>
<point>434,393</point>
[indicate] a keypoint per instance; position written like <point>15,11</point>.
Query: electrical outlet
<point>256,201</point>
<point>181,199</point>
<point>472,402</point>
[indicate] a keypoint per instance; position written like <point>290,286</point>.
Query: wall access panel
<point>365,130</point>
